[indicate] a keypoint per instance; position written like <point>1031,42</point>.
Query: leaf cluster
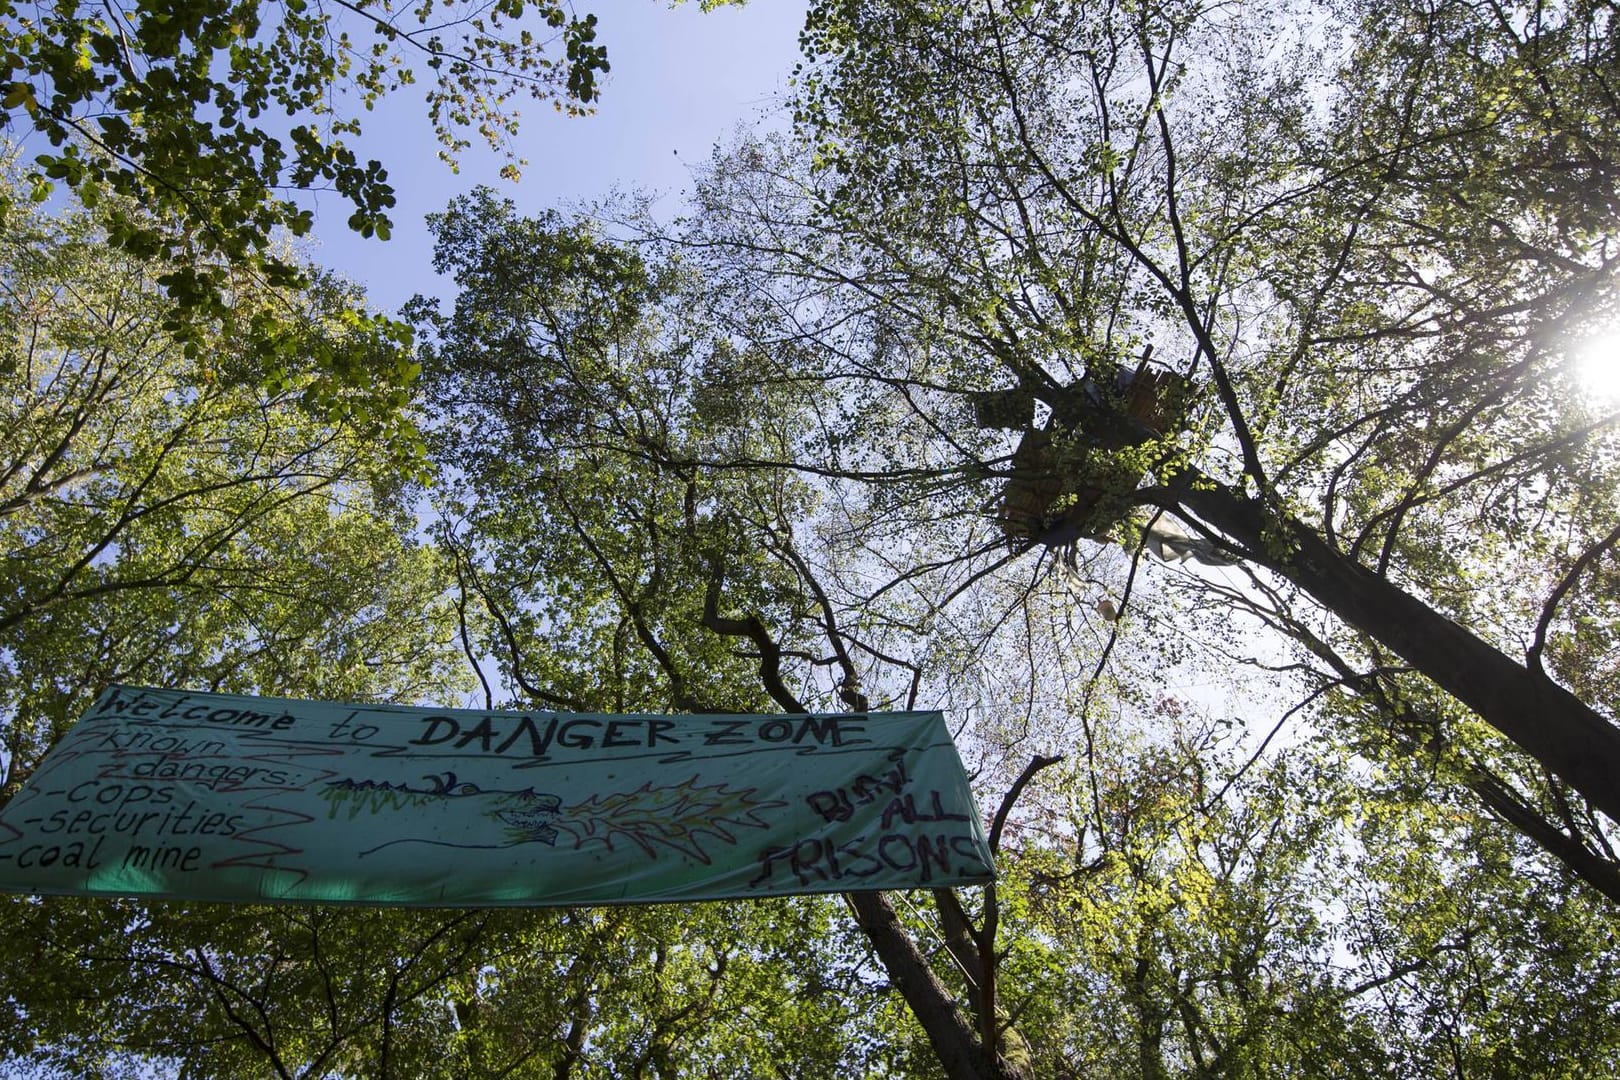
<point>207,113</point>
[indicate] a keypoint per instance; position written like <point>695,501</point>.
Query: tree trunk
<point>1543,719</point>
<point>1590,867</point>
<point>956,1044</point>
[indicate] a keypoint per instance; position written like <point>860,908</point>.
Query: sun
<point>1597,365</point>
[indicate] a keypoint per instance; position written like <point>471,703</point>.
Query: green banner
<point>164,793</point>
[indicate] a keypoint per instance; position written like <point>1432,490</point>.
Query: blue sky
<point>681,80</point>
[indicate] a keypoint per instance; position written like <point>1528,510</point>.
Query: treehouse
<point>1066,480</point>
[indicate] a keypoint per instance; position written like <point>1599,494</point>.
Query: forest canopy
<point>1184,398</point>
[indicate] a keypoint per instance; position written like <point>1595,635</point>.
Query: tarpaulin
<point>166,793</point>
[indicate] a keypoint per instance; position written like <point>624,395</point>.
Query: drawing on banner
<point>677,818</point>
<point>218,797</point>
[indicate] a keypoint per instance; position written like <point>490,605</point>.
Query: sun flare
<point>1597,363</point>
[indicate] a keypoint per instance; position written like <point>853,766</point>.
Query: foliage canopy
<point>206,114</point>
<point>1334,802</point>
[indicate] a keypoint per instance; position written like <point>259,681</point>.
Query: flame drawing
<point>678,817</point>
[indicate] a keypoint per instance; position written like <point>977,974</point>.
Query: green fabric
<point>165,793</point>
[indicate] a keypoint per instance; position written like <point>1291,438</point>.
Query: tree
<point>169,518</point>
<point>1368,261</point>
<point>1367,253</point>
<point>656,505</point>
<point>228,991</point>
<point>576,393</point>
<point>165,519</point>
